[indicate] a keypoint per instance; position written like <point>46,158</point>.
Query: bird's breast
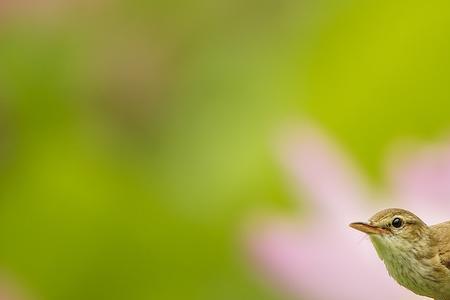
<point>418,274</point>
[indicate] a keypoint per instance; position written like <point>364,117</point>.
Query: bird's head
<point>395,230</point>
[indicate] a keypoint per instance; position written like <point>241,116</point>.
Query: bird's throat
<point>403,264</point>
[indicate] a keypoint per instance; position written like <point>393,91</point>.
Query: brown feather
<point>441,233</point>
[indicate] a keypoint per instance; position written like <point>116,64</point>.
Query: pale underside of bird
<point>417,256</point>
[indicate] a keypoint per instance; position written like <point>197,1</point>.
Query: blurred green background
<point>137,136</point>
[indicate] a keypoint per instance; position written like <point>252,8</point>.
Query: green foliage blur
<point>138,136</point>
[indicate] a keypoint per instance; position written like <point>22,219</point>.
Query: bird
<point>416,255</point>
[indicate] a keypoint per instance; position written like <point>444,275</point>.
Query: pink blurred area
<point>420,178</point>
<point>318,256</point>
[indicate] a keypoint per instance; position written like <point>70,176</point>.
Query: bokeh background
<point>137,138</point>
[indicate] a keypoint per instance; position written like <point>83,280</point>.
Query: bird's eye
<point>397,222</point>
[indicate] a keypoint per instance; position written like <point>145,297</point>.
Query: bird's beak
<point>366,228</point>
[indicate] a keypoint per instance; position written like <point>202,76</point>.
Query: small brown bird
<point>417,256</point>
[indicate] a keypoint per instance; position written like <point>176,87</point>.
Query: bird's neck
<point>409,262</point>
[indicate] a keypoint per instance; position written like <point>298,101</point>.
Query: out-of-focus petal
<point>322,172</point>
<point>420,179</point>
